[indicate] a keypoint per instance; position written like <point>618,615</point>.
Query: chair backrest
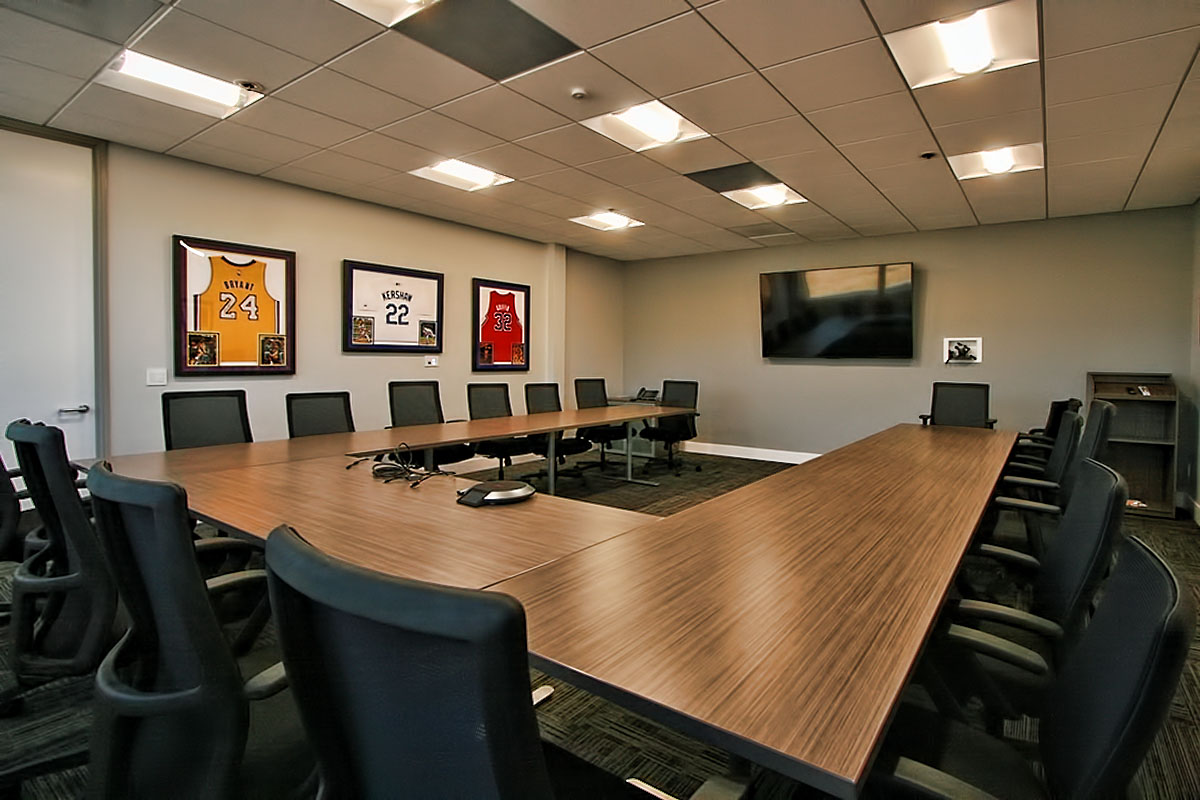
<point>1075,562</point>
<point>1092,443</point>
<point>1111,696</point>
<point>171,720</point>
<point>64,601</point>
<point>199,419</point>
<point>1054,418</point>
<point>415,403</point>
<point>681,394</point>
<point>1062,454</point>
<point>392,675</point>
<point>540,398</point>
<point>590,393</point>
<point>312,413</point>
<point>10,517</point>
<point>487,400</point>
<point>962,404</point>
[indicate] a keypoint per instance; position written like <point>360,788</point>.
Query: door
<point>47,328</point>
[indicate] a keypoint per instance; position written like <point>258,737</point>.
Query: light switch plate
<point>431,361</point>
<point>156,376</point>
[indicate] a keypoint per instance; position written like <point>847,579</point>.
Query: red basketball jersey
<point>502,327</point>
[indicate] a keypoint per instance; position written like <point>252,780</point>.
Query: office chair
<point>176,714</point>
<point>962,404</point>
<point>540,398</point>
<point>591,393</point>
<point>1100,716</point>
<point>313,413</point>
<point>672,430</point>
<point>1049,429</point>
<point>449,717</point>
<point>200,419</point>
<point>420,403</point>
<point>489,400</point>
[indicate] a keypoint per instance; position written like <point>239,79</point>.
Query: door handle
<point>82,408</point>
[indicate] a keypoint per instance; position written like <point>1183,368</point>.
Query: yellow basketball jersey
<point>236,305</point>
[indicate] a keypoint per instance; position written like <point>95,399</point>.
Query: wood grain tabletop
<point>780,620</point>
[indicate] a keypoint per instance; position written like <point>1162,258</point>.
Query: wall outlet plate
<point>156,376</point>
<point>431,361</point>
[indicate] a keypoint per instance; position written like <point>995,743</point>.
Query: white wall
<point>1052,300</point>
<point>595,323</point>
<point>152,197</point>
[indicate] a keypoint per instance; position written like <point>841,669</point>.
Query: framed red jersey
<point>500,326</point>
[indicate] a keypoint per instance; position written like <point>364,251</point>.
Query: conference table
<point>779,621</point>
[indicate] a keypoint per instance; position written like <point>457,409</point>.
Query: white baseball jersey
<point>397,303</point>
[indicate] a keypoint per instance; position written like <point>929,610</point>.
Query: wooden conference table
<point>779,621</point>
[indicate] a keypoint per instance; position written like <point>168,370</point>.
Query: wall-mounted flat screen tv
<point>844,312</point>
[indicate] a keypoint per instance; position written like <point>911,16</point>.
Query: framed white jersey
<point>390,309</point>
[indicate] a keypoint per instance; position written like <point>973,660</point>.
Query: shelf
<point>1139,397</point>
<point>1153,442</point>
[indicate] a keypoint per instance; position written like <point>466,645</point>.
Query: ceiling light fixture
<point>653,119</point>
<point>997,161</point>
<point>765,196</point>
<point>387,12</point>
<point>645,126</point>
<point>461,175</point>
<point>966,43</point>
<point>169,83</point>
<point>607,221</point>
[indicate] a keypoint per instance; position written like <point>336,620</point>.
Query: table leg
<point>629,462</point>
<point>551,465</point>
<point>429,458</point>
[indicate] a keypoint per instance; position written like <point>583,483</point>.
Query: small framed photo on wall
<point>390,309</point>
<point>962,350</point>
<point>235,308</point>
<point>500,326</point>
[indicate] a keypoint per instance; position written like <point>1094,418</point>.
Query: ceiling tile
<point>894,15</point>
<point>552,85</point>
<point>1110,112</point>
<point>206,47</point>
<point>888,115</point>
<point>31,93</point>
<point>696,155</point>
<point>835,77</point>
<point>513,161</point>
<point>770,31</point>
<point>803,166</point>
<point>409,69</point>
<point>380,149</point>
<point>346,99</point>
<point>588,23</point>
<point>1171,178</point>
<point>526,194</point>
<point>724,240</point>
<point>122,117</point>
<point>930,177</point>
<point>986,133</point>
<point>573,144</point>
<point>669,190</point>
<point>890,150</point>
<point>48,46</point>
<point>502,112</point>
<point>787,239</point>
<point>316,30</point>
<point>229,135</point>
<point>1095,187</point>
<point>1120,68</point>
<point>114,21</point>
<point>309,179</point>
<point>977,96</point>
<point>698,55</point>
<point>1070,26</point>
<point>440,134</point>
<point>781,137</point>
<point>570,182</point>
<point>294,122</point>
<point>1126,142</point>
<point>627,169</point>
<point>786,215</point>
<point>840,193</point>
<point>1008,198</point>
<point>821,229</point>
<point>731,103</point>
<point>671,219</point>
<point>220,157</point>
<point>716,209</point>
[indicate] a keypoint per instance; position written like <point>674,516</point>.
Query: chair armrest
<point>134,702</point>
<point>991,422</point>
<point>915,778</point>
<point>1018,504</point>
<point>1024,444</point>
<point>994,612</point>
<point>1025,466</point>
<point>1033,436</point>
<point>1032,483</point>
<point>271,681</point>
<point>225,543</point>
<point>1008,556</point>
<point>925,418</point>
<point>235,580</point>
<point>988,645</point>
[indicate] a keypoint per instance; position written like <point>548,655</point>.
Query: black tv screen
<point>845,312</point>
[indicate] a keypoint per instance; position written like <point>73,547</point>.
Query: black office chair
<point>176,715</point>
<point>200,419</point>
<point>15,523</point>
<point>591,393</point>
<point>420,403</point>
<point>314,413</point>
<point>672,430</point>
<point>1049,429</point>
<point>415,689</point>
<point>1100,716</point>
<point>540,398</point>
<point>962,404</point>
<point>488,400</point>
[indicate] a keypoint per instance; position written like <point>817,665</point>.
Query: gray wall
<point>595,323</point>
<point>1052,301</point>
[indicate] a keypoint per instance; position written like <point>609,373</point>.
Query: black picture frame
<point>361,325</point>
<point>506,349</point>
<point>243,327</point>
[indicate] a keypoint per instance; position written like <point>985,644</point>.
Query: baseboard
<point>756,453</point>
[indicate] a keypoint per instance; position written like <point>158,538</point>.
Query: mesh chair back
<point>487,400</point>
<point>1096,431</point>
<point>681,394</point>
<point>1062,454</point>
<point>415,403</point>
<point>1111,696</point>
<point>64,601</point>
<point>313,413</point>
<point>392,675</point>
<point>540,398</point>
<point>200,419</point>
<point>171,719</point>
<point>590,393</point>
<point>1074,565</point>
<point>962,404</point>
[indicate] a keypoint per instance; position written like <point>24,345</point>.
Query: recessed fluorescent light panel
<point>461,175</point>
<point>999,161</point>
<point>747,184</point>
<point>990,39</point>
<point>645,126</point>
<point>168,83</point>
<point>765,196</point>
<point>386,12</point>
<point>607,221</point>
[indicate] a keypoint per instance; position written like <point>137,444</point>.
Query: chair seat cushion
<point>1024,690</point>
<point>500,448</point>
<point>603,433</point>
<point>278,758</point>
<point>659,435</point>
